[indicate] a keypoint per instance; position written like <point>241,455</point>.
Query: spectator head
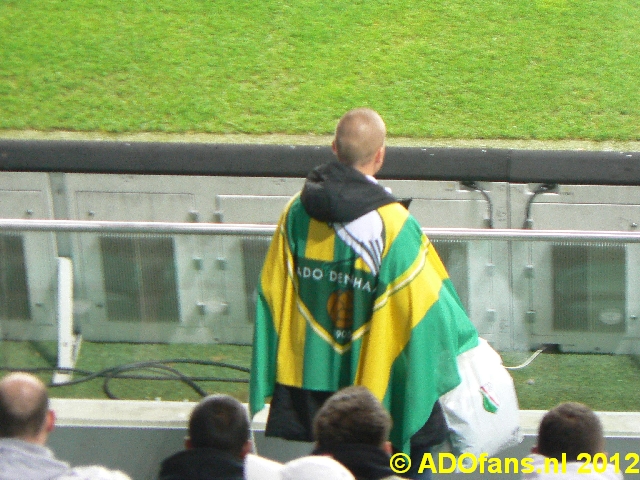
<point>24,409</point>
<point>359,140</point>
<point>570,428</point>
<point>352,415</point>
<point>220,422</point>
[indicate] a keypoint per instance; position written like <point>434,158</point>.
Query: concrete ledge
<point>159,414</point>
<point>121,413</point>
<point>615,424</point>
<point>135,436</point>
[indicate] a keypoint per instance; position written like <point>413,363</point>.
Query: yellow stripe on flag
<point>279,282</point>
<point>320,241</point>
<point>393,217</point>
<point>397,311</point>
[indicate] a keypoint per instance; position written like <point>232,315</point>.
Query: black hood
<point>365,462</point>
<point>202,464</point>
<point>334,192</point>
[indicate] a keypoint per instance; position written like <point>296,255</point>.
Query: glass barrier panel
<point>170,315</point>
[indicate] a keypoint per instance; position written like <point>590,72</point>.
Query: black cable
<point>143,365</point>
<point>159,366</point>
<point>543,188</point>
<point>209,363</point>
<point>473,185</point>
<point>102,373</point>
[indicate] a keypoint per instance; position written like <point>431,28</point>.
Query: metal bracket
<point>530,316</point>
<point>528,271</point>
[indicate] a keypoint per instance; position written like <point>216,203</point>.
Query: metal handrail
<point>240,229</point>
<point>98,226</point>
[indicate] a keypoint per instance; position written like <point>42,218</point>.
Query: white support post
<point>68,345</point>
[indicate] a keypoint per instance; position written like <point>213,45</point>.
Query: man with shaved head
<point>25,425</point>
<point>359,138</point>
<point>353,293</point>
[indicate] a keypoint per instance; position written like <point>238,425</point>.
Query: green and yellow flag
<point>327,319</point>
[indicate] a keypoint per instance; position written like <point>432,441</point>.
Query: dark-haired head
<point>351,415</point>
<point>570,428</point>
<point>220,422</point>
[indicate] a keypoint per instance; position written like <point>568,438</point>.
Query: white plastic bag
<point>482,412</point>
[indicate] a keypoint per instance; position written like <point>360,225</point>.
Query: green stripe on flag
<point>404,248</point>
<point>297,230</point>
<point>427,367</point>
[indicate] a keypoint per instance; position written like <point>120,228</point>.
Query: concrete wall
<point>135,436</point>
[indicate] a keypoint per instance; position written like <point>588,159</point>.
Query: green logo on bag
<point>489,400</point>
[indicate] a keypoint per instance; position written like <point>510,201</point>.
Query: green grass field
<point>99,356</point>
<point>496,69</point>
<point>490,69</point>
<point>604,382</point>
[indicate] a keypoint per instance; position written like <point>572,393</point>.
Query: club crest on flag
<point>490,401</point>
<point>340,309</point>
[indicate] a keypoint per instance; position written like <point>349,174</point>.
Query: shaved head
<point>359,136</point>
<point>24,405</point>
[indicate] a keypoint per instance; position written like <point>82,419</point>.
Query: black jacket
<point>202,464</point>
<point>365,462</point>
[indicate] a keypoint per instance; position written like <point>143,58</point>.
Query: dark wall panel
<point>497,165</point>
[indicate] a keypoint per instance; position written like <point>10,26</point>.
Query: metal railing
<point>238,229</point>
